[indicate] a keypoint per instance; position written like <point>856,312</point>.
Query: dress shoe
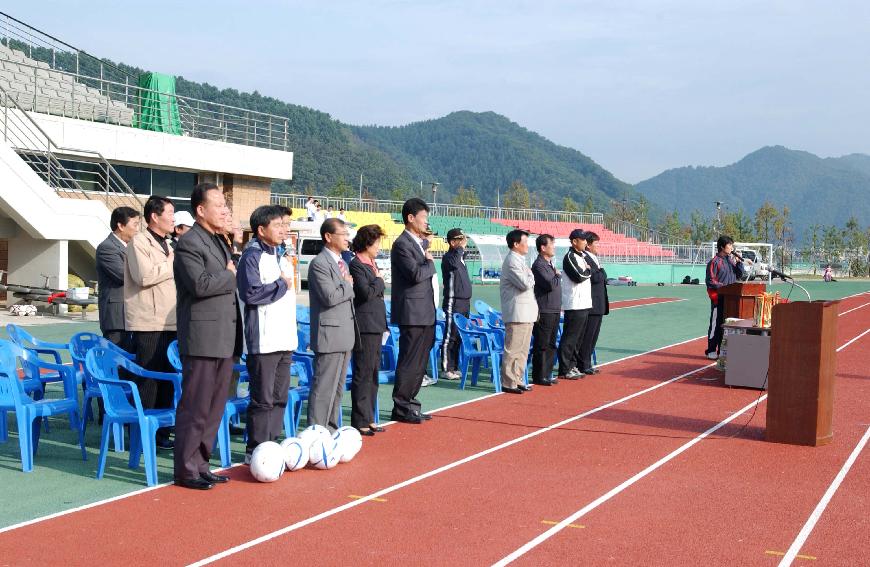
<point>165,444</point>
<point>377,428</point>
<point>542,382</point>
<point>367,432</point>
<point>524,388</point>
<point>214,478</point>
<point>425,416</point>
<point>507,390</point>
<point>413,419</point>
<point>193,483</point>
<point>553,381</point>
<point>591,371</point>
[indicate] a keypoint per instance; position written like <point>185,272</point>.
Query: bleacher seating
<point>612,244</point>
<point>35,86</point>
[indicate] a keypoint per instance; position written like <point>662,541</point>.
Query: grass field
<point>61,480</point>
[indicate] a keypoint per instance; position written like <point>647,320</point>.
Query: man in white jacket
<point>519,311</point>
<point>576,303</point>
<point>266,287</point>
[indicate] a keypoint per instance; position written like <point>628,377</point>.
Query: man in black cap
<point>576,303</point>
<point>457,299</point>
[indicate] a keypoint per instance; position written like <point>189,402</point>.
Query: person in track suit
<point>413,309</point>
<point>600,304</point>
<point>111,255</point>
<point>457,299</point>
<point>371,313</point>
<point>209,336</point>
<point>576,302</point>
<point>333,324</point>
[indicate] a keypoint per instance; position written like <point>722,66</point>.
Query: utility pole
<point>360,191</point>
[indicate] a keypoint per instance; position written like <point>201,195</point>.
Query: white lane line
<point>854,309</point>
<point>823,503</point>
<point>140,491</point>
<point>613,492</point>
<point>853,340</point>
<point>433,472</point>
<point>860,293</point>
<point>621,487</point>
<point>617,308</point>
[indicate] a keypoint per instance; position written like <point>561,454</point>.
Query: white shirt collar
<point>335,257</point>
<point>417,239</point>
<point>119,240</point>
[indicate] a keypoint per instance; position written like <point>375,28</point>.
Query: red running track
<point>476,512</point>
<point>640,302</point>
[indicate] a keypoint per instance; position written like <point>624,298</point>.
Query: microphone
<point>736,255</point>
<point>780,275</point>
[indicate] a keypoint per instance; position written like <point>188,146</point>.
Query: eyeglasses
<point>341,233</point>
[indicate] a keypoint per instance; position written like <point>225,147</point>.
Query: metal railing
<point>82,86</point>
<point>297,201</point>
<point>74,172</point>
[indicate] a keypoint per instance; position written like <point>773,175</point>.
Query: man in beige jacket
<point>149,295</point>
<point>519,311</point>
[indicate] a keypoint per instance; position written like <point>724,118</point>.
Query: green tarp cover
<point>158,106</point>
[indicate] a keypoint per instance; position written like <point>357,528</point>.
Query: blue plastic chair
<point>482,307</point>
<point>43,348</point>
<point>124,407</point>
<point>236,405</point>
<point>475,348</point>
<point>28,412</point>
<point>433,352</point>
<point>79,345</point>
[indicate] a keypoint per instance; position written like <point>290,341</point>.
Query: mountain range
<point>824,191</point>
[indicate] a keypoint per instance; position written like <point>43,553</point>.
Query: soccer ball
<point>267,462</point>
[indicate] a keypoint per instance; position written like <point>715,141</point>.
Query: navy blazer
<point>413,298</point>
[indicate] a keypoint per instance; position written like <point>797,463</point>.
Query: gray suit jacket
<point>110,283</point>
<point>413,297</point>
<point>517,287</point>
<point>333,323</point>
<point>209,321</point>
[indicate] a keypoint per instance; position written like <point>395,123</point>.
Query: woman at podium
<point>725,268</point>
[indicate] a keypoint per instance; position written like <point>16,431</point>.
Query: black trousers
<point>364,388</point>
<point>204,386</point>
<point>415,342</point>
<point>119,337</point>
<point>452,343</point>
<point>544,346</point>
<point>572,334</point>
<point>269,376</point>
<point>714,330</point>
<point>150,348</point>
<point>590,339</point>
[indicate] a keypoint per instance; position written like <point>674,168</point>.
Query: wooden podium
<point>739,299</point>
<point>803,361</point>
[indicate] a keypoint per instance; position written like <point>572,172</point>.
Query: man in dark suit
<point>110,273</point>
<point>333,324</point>
<point>413,309</point>
<point>600,304</point>
<point>548,293</point>
<point>209,336</point>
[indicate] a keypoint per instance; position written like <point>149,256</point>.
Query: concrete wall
<point>133,146</point>
<point>32,258</point>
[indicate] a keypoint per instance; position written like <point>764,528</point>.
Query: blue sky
<point>639,87</point>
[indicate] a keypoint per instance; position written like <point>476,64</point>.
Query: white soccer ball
<point>295,455</point>
<point>324,453</point>
<point>349,442</point>
<point>312,432</point>
<point>267,462</point>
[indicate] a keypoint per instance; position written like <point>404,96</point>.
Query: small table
<point>746,354</point>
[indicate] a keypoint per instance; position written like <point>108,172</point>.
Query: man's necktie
<point>342,268</point>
